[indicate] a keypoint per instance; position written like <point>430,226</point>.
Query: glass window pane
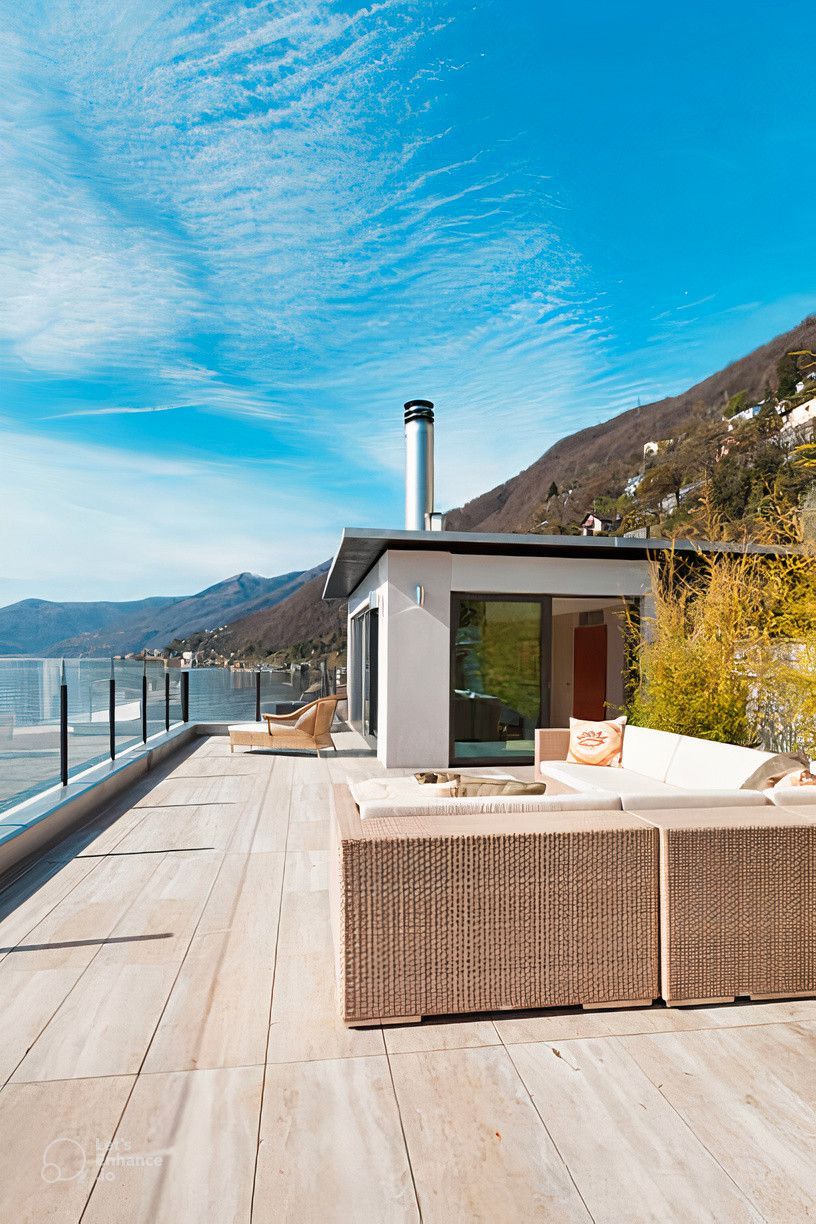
<point>496,678</point>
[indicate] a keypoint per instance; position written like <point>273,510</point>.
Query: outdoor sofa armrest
<point>551,744</point>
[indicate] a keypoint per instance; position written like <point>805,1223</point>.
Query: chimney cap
<point>419,410</point>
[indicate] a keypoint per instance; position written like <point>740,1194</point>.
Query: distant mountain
<point>41,627</point>
<point>592,458</point>
<point>295,626</point>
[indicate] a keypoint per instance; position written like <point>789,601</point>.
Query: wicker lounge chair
<point>308,728</point>
<point>456,914</point>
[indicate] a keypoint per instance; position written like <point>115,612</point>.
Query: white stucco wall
<point>414,651</point>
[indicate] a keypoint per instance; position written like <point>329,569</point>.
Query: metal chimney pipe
<point>419,463</point>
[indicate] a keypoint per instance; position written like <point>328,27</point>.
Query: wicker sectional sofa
<point>445,905</point>
<point>442,914</point>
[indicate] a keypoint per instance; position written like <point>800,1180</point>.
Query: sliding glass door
<point>500,669</point>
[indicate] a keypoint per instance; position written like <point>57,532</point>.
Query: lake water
<point>29,711</point>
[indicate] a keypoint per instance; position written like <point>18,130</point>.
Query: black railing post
<point>166,697</point>
<point>185,695</point>
<point>144,701</point>
<point>63,727</point>
<point>112,713</point>
<point>258,695</point>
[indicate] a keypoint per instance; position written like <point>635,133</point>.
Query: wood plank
<point>306,1021</point>
<point>39,974</point>
<point>264,816</point>
<point>477,1146</point>
<point>181,828</point>
<point>33,899</point>
<point>199,1128</point>
<point>444,1035</point>
<point>58,1133</point>
<point>105,1024</point>
<point>196,791</point>
<point>578,1025</point>
<point>757,1124</point>
<point>643,1162</point>
<point>218,1012</point>
<point>331,1146</point>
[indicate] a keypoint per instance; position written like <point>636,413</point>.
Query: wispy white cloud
<point>85,521</point>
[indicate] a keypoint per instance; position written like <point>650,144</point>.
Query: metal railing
<point>58,718</point>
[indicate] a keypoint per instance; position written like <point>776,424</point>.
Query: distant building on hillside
<point>798,418</point>
<point>595,525</point>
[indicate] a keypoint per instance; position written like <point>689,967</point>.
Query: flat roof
<point>361,548</point>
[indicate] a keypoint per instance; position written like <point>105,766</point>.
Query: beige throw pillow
<point>596,743</point>
<point>797,777</point>
<point>469,788</point>
<point>777,767</point>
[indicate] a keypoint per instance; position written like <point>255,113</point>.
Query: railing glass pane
<point>128,676</point>
<point>29,728</point>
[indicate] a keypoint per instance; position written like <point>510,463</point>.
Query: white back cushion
<point>705,764</point>
<point>648,752</point>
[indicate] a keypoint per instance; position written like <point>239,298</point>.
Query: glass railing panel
<point>88,725</point>
<point>29,728</point>
<point>128,719</point>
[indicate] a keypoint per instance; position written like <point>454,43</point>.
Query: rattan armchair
<point>308,728</point>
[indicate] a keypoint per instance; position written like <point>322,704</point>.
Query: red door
<point>589,672</point>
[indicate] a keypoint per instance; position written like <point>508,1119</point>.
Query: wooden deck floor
<point>170,1051</point>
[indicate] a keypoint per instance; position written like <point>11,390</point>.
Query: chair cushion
<point>708,764</point>
<point>648,752</point>
<point>253,726</point>
<point>306,722</point>
<point>596,742</point>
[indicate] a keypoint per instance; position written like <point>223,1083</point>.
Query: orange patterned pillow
<point>596,743</point>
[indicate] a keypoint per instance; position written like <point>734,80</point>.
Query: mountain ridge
<point>99,628</point>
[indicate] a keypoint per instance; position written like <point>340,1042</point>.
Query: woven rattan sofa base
<point>454,915</point>
<point>738,903</point>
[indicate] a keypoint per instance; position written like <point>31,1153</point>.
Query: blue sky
<point>236,236</point>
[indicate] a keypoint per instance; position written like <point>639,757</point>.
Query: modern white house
<point>460,644</point>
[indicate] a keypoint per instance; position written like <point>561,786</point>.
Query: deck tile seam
<point>402,1128</point>
<point>138,1073</point>
<point>272,982</point>
<point>73,857</point>
<point>678,1032</point>
<point>85,969</point>
<point>741,1190</point>
<point>548,1132</point>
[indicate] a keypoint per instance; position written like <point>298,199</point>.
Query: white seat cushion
<point>706,764</point>
<point>792,796</point>
<point>598,779</point>
<point>648,752</point>
<point>498,805</point>
<point>254,727</point>
<point>694,799</point>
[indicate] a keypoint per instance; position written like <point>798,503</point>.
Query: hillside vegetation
<point>555,492</point>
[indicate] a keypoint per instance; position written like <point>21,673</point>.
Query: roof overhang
<point>361,548</point>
